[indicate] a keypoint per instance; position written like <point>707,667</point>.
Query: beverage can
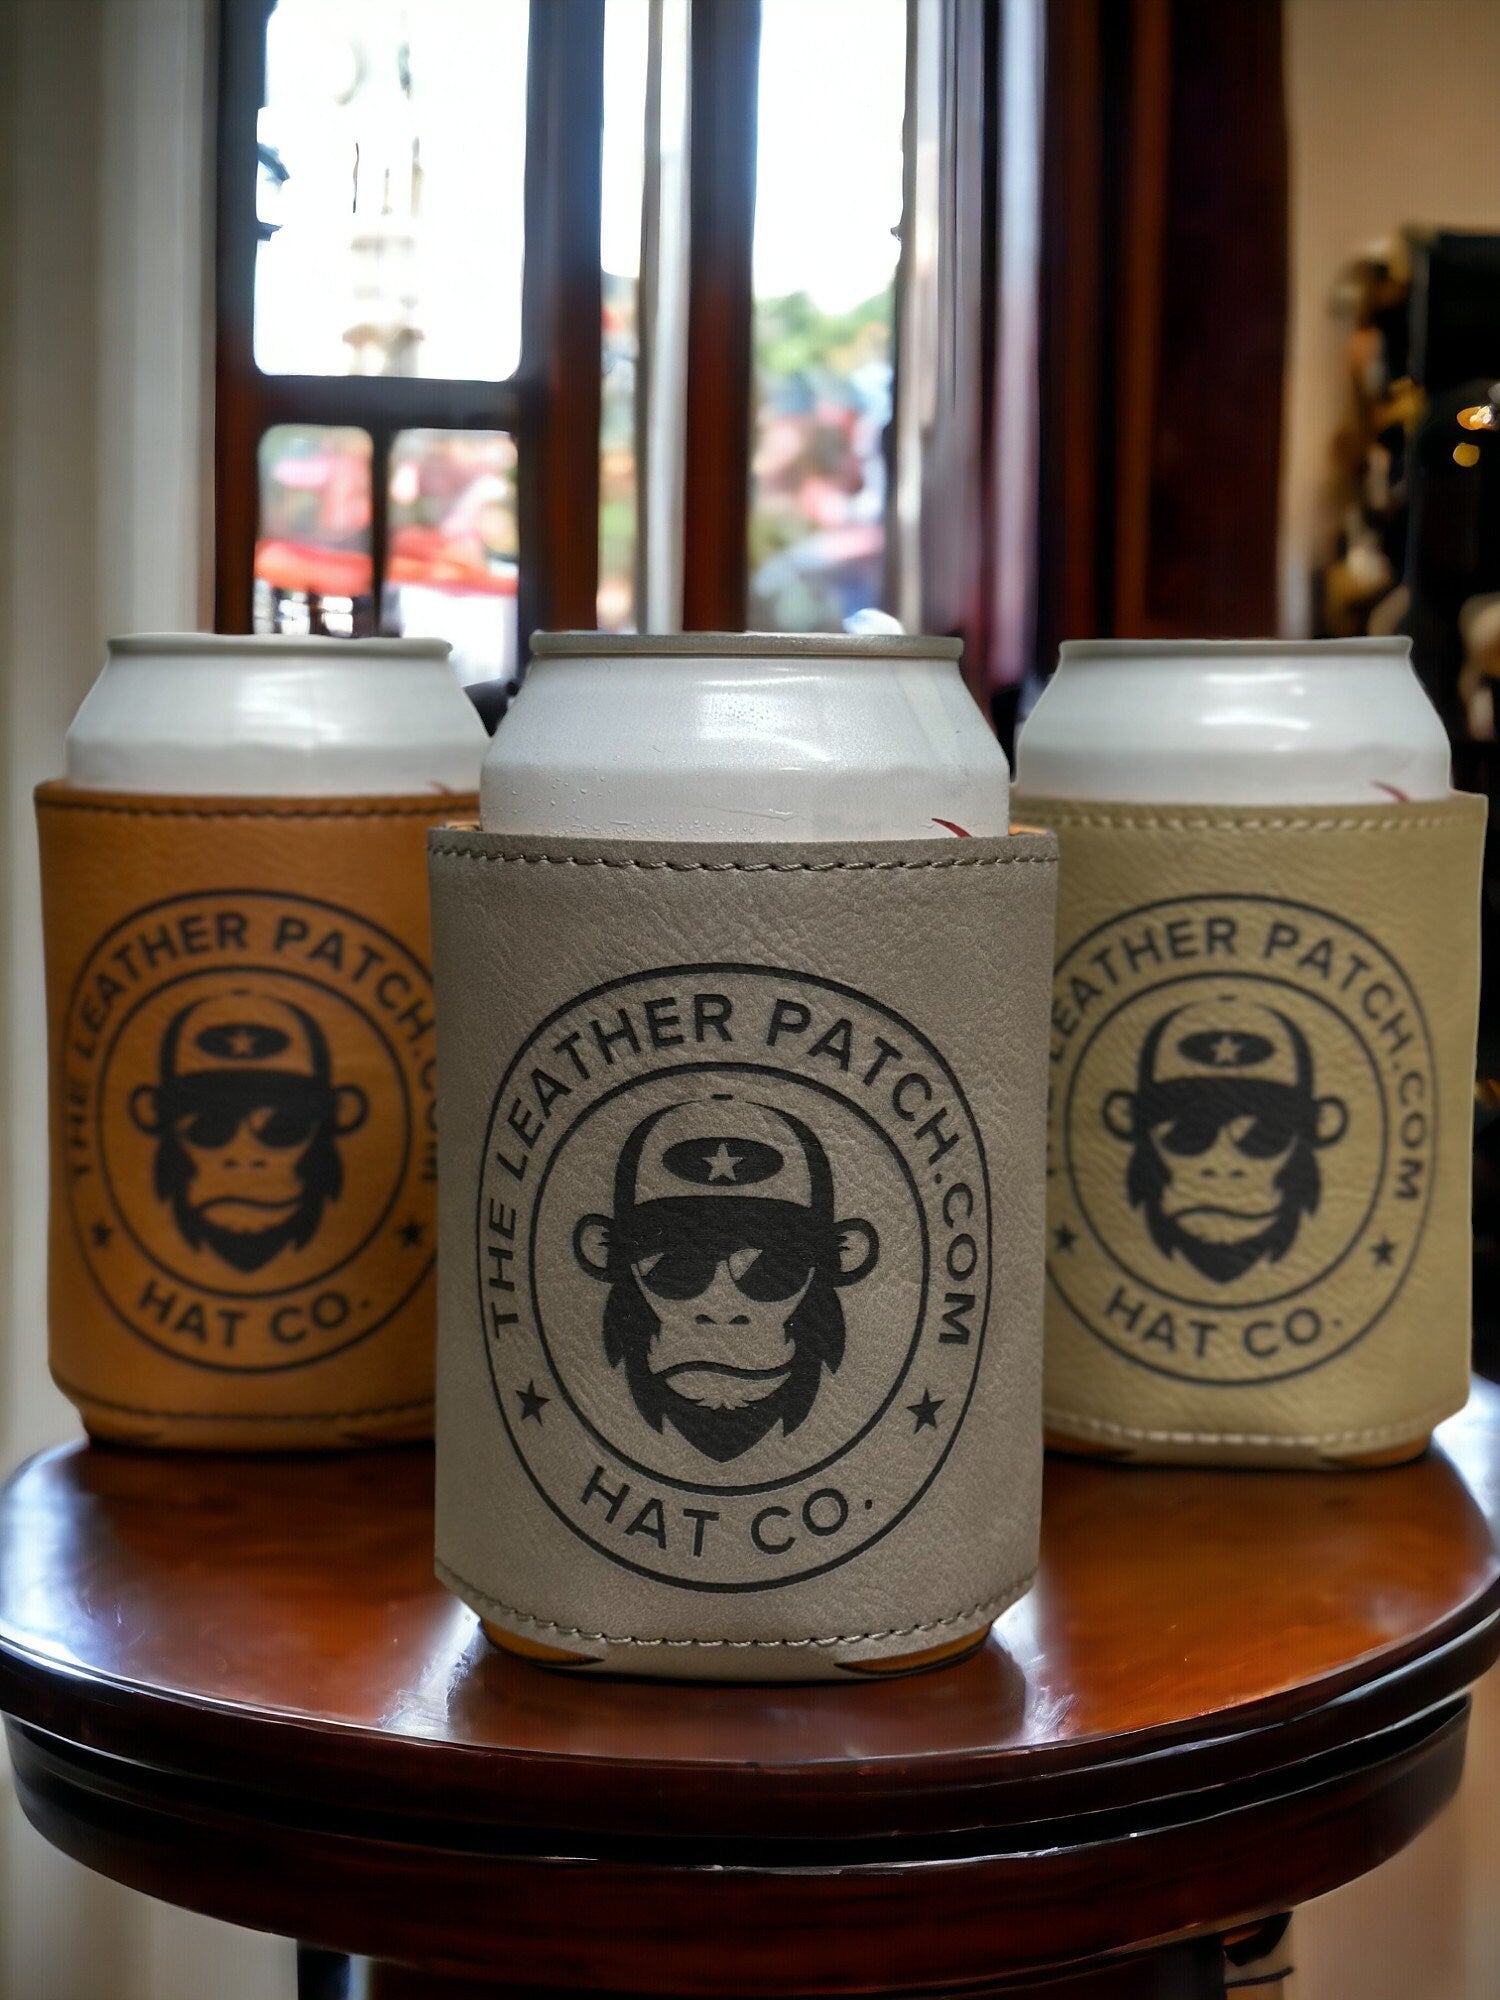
<point>742,1045</point>
<point>241,1034</point>
<point>1234,722</point>
<point>1262,1051</point>
<point>269,716</point>
<point>744,736</point>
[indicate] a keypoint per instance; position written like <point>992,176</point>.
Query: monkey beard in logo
<point>1195,1110</point>
<point>304,1114</point>
<point>703,1232</point>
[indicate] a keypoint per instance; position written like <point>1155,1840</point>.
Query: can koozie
<point>242,1051</point>
<point>741,1211</point>
<point>1263,1032</point>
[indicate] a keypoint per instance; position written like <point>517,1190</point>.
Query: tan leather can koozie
<point>1262,1061</point>
<point>242,1081</point>
<point>740,1279</point>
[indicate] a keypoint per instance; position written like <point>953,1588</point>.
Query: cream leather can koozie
<point>242,1082</point>
<point>1262,1060</point>
<point>740,1258</point>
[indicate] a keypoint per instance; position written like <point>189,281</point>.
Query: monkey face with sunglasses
<point>247,1123</point>
<point>723,1304</point>
<point>1225,1127</point>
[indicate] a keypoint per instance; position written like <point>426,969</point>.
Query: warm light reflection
<point>1258,720</point>
<point>1466,454</point>
<point>1478,417</point>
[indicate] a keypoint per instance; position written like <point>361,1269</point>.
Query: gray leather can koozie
<point>741,1194</point>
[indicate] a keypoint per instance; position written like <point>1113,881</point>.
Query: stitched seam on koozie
<point>1378,822</point>
<point>72,1389</point>
<point>740,867</point>
<point>1374,1434</point>
<point>416,809</point>
<point>991,1607</point>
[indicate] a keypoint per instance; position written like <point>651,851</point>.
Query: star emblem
<point>411,1233</point>
<point>1226,1049</point>
<point>1383,1251</point>
<point>722,1165</point>
<point>1064,1238</point>
<point>102,1234</point>
<point>242,1042</point>
<point>926,1411</point>
<point>532,1402</point>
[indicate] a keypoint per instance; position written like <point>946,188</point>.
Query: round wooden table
<point>234,1684</point>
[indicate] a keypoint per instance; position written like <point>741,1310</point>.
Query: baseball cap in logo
<point>246,1030</point>
<point>724,1144</point>
<point>1229,1036</point>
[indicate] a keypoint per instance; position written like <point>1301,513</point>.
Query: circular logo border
<point>687,971</point>
<point>424,1274</point>
<point>1246,897</point>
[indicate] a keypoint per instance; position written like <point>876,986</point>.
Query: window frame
<point>550,405</point>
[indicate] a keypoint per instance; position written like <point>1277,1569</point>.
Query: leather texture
<point>740,1245</point>
<point>1262,1061</point>
<point>242,1080</point>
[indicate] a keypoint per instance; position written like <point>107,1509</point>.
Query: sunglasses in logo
<point>1185,1117</point>
<point>685,1270</point>
<point>280,1126</point>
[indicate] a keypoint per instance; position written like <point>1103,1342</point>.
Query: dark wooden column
<point>1164,298</point>
<point>561,318</point>
<point>716,484</point>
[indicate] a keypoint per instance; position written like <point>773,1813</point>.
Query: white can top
<point>195,712</point>
<point>744,736</point>
<point>1235,722</point>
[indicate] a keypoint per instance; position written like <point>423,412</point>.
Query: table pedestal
<point>234,1684</point>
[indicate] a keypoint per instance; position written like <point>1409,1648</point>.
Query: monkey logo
<point>247,1123</point>
<point>246,1106</point>
<point>724,1262</point>
<point>1242,1125</point>
<point>1224,1129</point>
<point>733,1273</point>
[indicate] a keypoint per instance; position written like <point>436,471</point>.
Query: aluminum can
<point>663,819</point>
<point>744,737</point>
<point>235,925</point>
<point>1309,781</point>
<point>276,717</point>
<point>1234,722</point>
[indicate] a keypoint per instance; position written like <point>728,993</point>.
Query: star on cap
<point>242,1042</point>
<point>723,1164</point>
<point>1226,1049</point>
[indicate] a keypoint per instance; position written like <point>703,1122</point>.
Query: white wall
<point>103,527</point>
<point>1393,109</point>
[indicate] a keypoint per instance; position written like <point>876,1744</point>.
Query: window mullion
<point>562,307</point>
<point>716,496</point>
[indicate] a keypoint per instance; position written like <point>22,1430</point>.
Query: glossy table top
<point>276,1622</point>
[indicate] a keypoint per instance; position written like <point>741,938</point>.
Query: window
<point>555,312</point>
<point>452,546</point>
<point>409,406</point>
<point>391,149</point>
<point>825,277</point>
